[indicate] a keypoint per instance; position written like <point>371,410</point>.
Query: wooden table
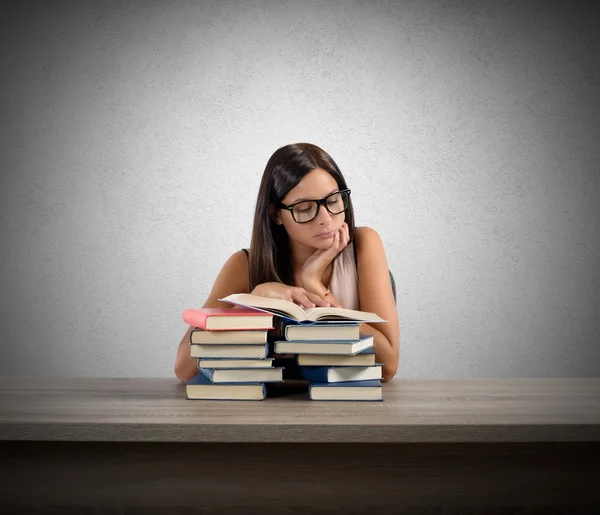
<point>433,446</point>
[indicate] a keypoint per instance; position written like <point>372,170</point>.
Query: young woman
<point>305,248</point>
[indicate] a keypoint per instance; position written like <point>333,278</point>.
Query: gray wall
<point>134,135</point>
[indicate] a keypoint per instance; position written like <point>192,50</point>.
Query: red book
<point>227,319</point>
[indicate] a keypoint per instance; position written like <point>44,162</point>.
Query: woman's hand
<point>317,262</point>
<point>294,294</point>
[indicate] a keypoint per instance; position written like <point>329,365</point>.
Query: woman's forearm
<point>384,351</point>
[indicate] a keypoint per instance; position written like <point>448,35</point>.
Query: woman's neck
<point>300,253</point>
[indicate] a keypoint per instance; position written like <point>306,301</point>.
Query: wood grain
<point>156,410</point>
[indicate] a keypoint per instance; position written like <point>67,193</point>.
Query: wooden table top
<point>414,410</point>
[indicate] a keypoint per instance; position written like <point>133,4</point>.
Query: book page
<point>318,314</point>
<point>277,306</point>
<point>288,309</point>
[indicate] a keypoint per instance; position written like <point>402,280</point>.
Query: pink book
<point>227,319</point>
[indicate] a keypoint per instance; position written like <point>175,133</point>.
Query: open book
<point>292,311</point>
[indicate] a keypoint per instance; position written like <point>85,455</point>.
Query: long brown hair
<point>270,253</point>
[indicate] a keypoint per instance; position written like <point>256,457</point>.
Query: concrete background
<point>134,135</point>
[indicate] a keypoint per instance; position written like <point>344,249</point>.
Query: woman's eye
<point>304,208</point>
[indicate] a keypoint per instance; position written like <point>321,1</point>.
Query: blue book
<point>243,375</point>
<point>341,374</point>
<point>199,387</point>
<point>348,391</point>
<point>345,348</point>
<point>365,358</point>
<point>211,350</point>
<point>234,363</point>
<point>330,331</point>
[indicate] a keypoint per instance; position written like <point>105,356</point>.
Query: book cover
<point>219,319</point>
<point>290,310</point>
<point>199,387</point>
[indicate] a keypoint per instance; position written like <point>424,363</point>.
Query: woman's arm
<point>233,278</point>
<point>376,296</point>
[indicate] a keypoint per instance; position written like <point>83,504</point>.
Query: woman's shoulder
<point>369,247</point>
<point>365,235</point>
<point>237,263</point>
<point>234,274</point>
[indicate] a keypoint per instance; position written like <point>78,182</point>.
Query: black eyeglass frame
<point>320,202</point>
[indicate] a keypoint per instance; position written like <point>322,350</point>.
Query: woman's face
<point>317,233</point>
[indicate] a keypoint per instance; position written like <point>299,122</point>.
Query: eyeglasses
<point>306,210</point>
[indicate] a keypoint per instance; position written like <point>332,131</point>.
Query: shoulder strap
<point>248,258</point>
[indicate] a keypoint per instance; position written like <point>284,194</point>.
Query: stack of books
<point>337,361</point>
<point>231,349</point>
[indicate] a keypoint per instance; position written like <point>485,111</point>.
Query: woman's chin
<point>322,243</point>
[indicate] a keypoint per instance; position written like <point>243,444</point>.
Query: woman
<point>305,248</point>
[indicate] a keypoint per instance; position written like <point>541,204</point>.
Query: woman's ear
<point>275,214</point>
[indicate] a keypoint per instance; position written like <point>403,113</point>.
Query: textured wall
<point>134,135</point>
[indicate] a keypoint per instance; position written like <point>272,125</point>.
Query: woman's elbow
<point>179,375</point>
<point>183,373</point>
<point>389,371</point>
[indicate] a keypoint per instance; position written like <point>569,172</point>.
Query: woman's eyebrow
<point>301,199</point>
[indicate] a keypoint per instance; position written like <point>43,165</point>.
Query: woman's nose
<point>323,215</point>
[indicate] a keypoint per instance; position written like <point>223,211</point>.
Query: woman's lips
<point>326,235</point>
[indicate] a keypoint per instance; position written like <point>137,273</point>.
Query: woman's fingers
<point>335,244</point>
<point>317,300</point>
<point>305,298</point>
<point>300,297</point>
<point>345,236</point>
